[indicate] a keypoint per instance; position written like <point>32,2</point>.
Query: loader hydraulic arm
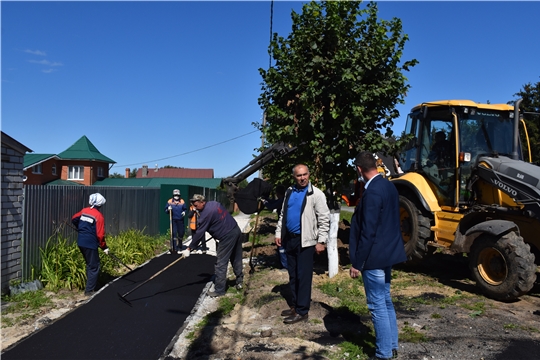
<point>277,150</point>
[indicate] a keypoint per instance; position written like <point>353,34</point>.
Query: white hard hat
<point>96,200</point>
<point>176,192</point>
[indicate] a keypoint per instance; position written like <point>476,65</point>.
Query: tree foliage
<point>333,89</point>
<point>531,106</point>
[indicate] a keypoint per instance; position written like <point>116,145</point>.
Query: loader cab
<point>433,151</point>
<point>449,139</point>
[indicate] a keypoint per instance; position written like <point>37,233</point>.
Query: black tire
<point>415,229</point>
<point>503,267</point>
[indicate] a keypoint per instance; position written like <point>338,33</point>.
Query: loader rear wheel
<point>415,229</point>
<point>503,267</point>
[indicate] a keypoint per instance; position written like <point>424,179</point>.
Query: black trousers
<point>229,249</point>
<point>300,267</point>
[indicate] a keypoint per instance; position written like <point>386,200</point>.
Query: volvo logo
<point>504,187</point>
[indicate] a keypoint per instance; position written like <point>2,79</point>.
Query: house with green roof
<point>80,164</point>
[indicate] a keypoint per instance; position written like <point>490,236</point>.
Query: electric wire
<point>190,152</point>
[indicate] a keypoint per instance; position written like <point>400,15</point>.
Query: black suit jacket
<point>375,239</point>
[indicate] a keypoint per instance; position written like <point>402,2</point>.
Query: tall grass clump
<point>135,247</point>
<point>62,264</point>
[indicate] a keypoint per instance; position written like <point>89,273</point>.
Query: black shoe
<point>89,293</point>
<point>293,319</point>
<point>288,312</point>
<point>394,354</point>
<point>378,358</point>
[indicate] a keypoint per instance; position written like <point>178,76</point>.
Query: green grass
<point>29,303</point>
<point>345,215</point>
<point>409,334</point>
<point>350,293</point>
<point>477,308</point>
<point>31,300</point>
<point>63,265</point>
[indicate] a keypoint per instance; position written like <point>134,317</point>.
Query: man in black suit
<point>375,244</point>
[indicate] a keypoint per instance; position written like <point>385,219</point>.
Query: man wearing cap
<point>177,207</point>
<point>375,245</point>
<point>216,220</point>
<point>91,235</point>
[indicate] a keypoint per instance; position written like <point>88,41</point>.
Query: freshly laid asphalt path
<point>107,328</point>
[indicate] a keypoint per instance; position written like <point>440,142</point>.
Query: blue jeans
<point>282,256</point>
<point>383,315</point>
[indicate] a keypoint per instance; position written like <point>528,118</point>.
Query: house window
<point>36,169</point>
<point>53,169</point>
<point>76,173</point>
<point>100,171</point>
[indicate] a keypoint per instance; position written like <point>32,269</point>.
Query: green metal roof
<point>34,159</point>
<point>63,182</point>
<point>83,149</point>
<point>157,182</point>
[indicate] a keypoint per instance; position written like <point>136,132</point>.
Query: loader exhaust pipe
<point>514,155</point>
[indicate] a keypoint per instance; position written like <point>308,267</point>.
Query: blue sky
<point>177,83</point>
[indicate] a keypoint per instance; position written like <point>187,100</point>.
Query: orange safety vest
<point>193,219</point>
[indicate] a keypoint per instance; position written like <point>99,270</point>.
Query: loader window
<point>407,157</point>
<point>438,156</point>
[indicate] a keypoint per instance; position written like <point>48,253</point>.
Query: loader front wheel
<point>415,229</point>
<point>503,267</point>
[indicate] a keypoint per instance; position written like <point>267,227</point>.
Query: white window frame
<point>37,169</point>
<point>53,169</point>
<point>100,172</point>
<point>76,172</point>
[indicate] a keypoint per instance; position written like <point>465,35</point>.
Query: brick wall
<point>12,193</point>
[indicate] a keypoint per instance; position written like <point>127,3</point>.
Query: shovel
<point>170,226</point>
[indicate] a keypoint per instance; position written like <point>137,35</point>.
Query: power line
<point>190,152</point>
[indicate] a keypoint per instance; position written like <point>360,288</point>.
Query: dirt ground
<point>254,329</point>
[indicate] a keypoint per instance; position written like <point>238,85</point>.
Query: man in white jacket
<point>302,229</point>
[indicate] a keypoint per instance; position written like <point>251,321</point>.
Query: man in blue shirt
<point>302,230</point>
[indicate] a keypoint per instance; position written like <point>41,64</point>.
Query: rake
<point>123,297</point>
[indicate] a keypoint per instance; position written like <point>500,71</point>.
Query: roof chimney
<point>145,170</point>
<point>127,173</point>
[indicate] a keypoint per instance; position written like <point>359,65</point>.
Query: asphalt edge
<point>244,225</point>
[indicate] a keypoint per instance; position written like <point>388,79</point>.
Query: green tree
<point>333,89</point>
<point>133,173</point>
<point>531,108</point>
<point>116,176</point>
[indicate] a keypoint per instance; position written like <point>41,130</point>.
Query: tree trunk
<point>331,246</point>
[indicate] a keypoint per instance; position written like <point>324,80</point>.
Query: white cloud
<point>48,71</point>
<point>35,52</point>
<point>46,62</point>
